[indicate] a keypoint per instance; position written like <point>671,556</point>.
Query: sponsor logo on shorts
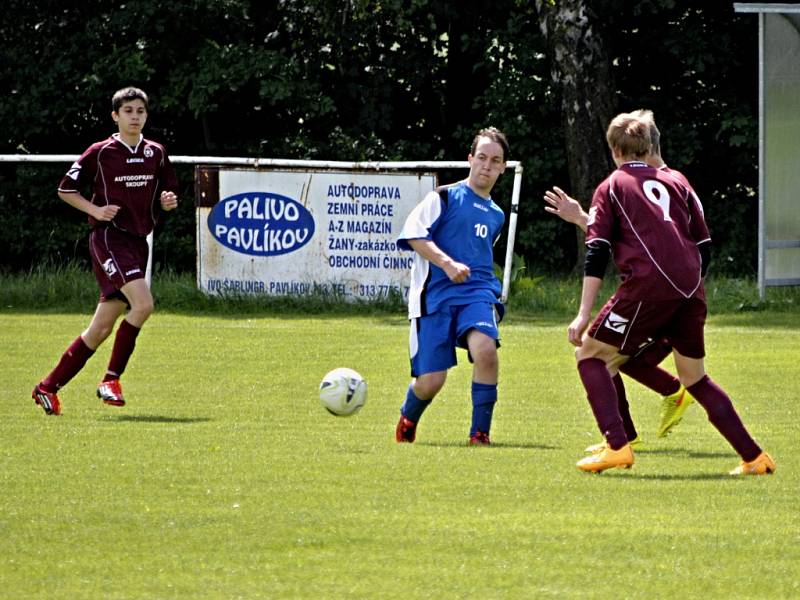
<point>616,323</point>
<point>132,271</point>
<point>109,267</point>
<point>484,324</point>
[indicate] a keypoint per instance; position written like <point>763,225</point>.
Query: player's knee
<point>96,334</point>
<point>143,308</point>
<point>485,356</point>
<point>428,385</point>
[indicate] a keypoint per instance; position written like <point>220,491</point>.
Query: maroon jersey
<point>653,222</point>
<point>130,177</point>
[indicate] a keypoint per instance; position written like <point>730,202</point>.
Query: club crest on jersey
<point>616,323</point>
<point>148,152</point>
<point>109,267</point>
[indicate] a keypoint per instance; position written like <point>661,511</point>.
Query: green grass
<point>225,478</point>
<point>71,287</point>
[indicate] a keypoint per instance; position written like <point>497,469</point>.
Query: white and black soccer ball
<point>343,392</point>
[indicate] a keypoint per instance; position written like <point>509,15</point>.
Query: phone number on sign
<point>371,290</point>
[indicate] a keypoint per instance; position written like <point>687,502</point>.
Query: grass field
<point>225,478</point>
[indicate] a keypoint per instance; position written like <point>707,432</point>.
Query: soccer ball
<point>343,392</point>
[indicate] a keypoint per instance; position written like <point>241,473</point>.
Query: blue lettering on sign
<point>261,223</point>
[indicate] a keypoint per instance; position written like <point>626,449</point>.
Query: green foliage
<point>72,288</point>
<point>370,80</point>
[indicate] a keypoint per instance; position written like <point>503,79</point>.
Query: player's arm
<point>569,209</point>
<point>427,249</point>
<point>99,213</point>
<point>591,287</point>
<point>598,253</point>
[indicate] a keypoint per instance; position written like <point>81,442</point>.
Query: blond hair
<point>629,133</point>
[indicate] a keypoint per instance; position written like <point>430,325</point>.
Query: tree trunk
<point>580,70</point>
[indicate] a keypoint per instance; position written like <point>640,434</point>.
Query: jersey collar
<point>133,150</point>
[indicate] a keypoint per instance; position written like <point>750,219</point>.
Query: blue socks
<point>413,407</point>
<point>484,396</point>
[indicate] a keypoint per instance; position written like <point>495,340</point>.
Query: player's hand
<point>456,271</point>
<point>169,201</point>
<point>562,205</point>
<point>576,329</point>
<point>105,213</point>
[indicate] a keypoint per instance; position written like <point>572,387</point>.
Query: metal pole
<point>512,232</point>
<point>762,179</point>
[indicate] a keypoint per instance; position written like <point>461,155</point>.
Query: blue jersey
<point>465,227</point>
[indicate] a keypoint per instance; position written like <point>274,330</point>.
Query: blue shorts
<point>433,339</point>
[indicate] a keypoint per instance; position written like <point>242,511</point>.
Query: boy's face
<point>486,165</point>
<point>131,117</point>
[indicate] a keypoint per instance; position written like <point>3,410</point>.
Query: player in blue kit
<point>454,297</point>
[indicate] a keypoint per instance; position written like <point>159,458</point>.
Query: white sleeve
<point>421,220</point>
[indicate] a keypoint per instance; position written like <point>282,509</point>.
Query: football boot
<point>110,392</point>
<point>672,409</point>
<point>761,465</point>
<point>607,459</point>
<point>47,400</point>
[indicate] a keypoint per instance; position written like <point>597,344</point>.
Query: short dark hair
<point>127,94</point>
<point>495,135</point>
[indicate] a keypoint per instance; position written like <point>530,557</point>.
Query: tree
<point>580,72</point>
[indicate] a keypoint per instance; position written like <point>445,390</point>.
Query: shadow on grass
<point>155,419</point>
<point>688,477</point>
<point>464,444</point>
<point>689,453</point>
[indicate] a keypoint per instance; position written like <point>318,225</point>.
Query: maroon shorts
<point>633,325</point>
<point>117,258</point>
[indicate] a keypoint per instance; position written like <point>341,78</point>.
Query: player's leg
<point>723,416</point>
<point>76,355</point>
<point>431,352</point>
<point>643,368</point>
<point>689,351</point>
<point>624,413</point>
<point>483,350</point>
<point>477,331</point>
<point>141,307</point>
<point>594,359</point>
<point>419,396</point>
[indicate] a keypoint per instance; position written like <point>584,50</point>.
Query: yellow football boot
<point>607,459</point>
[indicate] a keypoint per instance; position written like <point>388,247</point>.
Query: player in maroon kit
<point>132,182</point>
<point>643,366</point>
<point>656,230</point>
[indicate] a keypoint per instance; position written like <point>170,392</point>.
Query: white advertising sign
<point>300,232</point>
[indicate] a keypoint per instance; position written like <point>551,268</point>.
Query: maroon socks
<point>602,396</point>
<point>70,364</point>
<point>655,378</point>
<point>124,343</point>
<point>724,417</point>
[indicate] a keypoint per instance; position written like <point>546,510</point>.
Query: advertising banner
<point>292,232</point>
